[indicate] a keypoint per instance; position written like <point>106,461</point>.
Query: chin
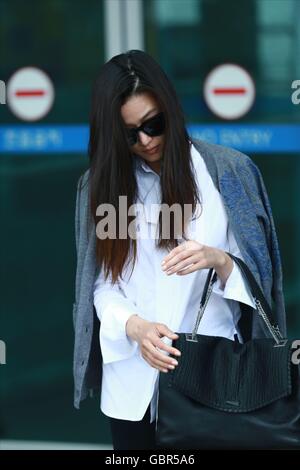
<point>155,156</point>
<point>152,158</point>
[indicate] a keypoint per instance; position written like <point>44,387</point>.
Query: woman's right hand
<point>148,335</point>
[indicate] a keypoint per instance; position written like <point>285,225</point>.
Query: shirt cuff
<point>113,310</point>
<point>235,288</point>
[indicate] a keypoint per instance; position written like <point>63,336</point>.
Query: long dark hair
<point>111,161</point>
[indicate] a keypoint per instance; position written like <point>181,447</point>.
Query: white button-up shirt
<point>129,383</point>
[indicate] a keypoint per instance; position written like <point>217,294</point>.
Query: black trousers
<point>133,435</point>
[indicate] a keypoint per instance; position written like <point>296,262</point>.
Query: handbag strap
<point>262,306</point>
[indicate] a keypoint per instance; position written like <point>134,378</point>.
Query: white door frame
<point>123,26</point>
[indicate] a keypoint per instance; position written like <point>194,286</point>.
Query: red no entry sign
<point>229,91</point>
<point>30,93</point>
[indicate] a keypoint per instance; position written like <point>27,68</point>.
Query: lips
<point>153,150</point>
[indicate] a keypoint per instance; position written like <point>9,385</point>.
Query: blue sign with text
<point>248,138</point>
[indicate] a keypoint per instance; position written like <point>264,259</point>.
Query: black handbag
<point>230,395</point>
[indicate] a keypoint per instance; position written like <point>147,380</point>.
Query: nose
<point>144,138</point>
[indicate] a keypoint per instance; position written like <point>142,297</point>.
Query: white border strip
<point>41,445</point>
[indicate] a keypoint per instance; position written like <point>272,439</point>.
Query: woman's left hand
<point>191,256</point>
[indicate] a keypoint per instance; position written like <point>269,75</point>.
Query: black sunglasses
<point>153,127</point>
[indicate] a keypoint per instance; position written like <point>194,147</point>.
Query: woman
<point>142,289</point>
